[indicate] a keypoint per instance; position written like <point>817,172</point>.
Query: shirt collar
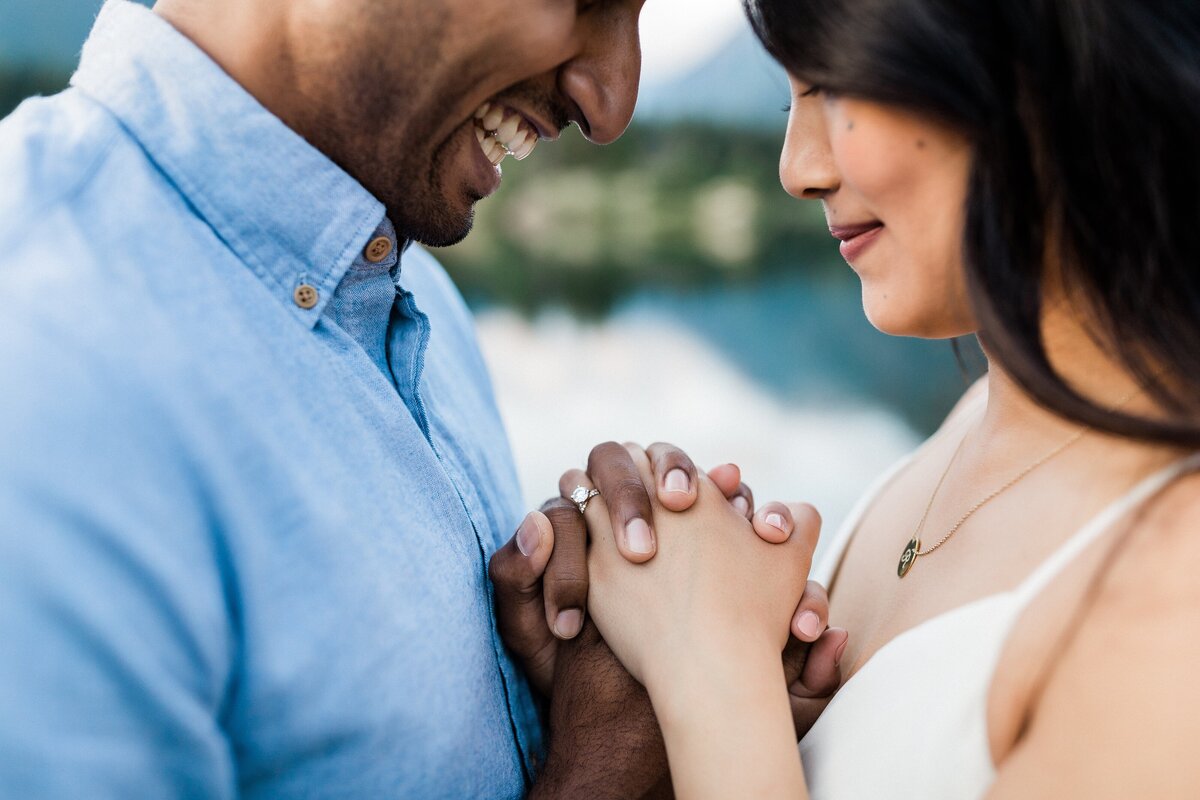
<point>287,211</point>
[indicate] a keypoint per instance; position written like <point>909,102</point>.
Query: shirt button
<point>306,296</point>
<point>379,249</point>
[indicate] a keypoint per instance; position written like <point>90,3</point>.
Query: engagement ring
<point>582,495</point>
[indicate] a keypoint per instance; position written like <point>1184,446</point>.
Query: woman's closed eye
<point>812,91</point>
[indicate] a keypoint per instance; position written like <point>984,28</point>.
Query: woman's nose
<point>806,166</point>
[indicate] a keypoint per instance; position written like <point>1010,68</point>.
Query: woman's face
<point>894,188</point>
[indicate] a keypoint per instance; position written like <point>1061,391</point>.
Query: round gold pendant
<point>908,557</point>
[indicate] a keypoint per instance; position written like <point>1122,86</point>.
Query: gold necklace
<point>913,549</point>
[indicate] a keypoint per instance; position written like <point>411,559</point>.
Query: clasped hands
<point>604,737</point>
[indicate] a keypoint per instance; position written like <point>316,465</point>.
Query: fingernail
<point>809,624</point>
<point>837,657</point>
<point>741,504</point>
<point>529,536</point>
<point>775,520</point>
<point>638,537</point>
<point>677,481</point>
<point>568,623</point>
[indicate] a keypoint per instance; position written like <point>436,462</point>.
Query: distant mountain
<point>739,85</point>
<point>45,34</point>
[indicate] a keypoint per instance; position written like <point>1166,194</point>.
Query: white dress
<point>912,722</point>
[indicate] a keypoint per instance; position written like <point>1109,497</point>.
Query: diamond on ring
<point>581,495</point>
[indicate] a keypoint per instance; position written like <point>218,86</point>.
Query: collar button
<point>306,296</point>
<point>379,249</point>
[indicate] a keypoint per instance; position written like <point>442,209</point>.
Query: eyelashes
<point>811,92</point>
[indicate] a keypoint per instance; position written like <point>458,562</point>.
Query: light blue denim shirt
<point>243,541</point>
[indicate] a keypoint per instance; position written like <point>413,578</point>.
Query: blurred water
<point>778,377</point>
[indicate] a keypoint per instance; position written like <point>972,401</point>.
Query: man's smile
<point>501,132</point>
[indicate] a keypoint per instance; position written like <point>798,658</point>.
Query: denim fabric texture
<point>243,543</point>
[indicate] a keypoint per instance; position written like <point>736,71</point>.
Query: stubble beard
<point>378,123</point>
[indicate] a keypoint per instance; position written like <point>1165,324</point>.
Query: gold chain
<point>997,492</point>
<point>913,550</point>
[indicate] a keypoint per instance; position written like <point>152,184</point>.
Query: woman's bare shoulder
<point>1124,681</point>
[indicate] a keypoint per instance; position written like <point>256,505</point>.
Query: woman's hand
<point>716,593</point>
<point>703,626</point>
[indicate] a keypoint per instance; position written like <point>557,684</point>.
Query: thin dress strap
<point>1101,523</point>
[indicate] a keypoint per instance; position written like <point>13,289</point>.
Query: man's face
<point>395,92</point>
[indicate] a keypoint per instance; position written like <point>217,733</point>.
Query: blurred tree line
<point>666,205</point>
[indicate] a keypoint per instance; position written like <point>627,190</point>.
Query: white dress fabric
<point>912,722</point>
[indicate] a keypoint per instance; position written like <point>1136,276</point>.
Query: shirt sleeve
<point>115,638</point>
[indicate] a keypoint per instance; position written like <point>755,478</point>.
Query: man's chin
<point>440,228</point>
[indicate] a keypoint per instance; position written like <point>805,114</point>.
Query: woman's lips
<point>856,238</point>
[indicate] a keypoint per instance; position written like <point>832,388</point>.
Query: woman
<point>1020,591</point>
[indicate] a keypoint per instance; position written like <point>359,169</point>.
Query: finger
<point>565,584</point>
<point>821,674</point>
<point>516,571</point>
<point>773,523</point>
<point>728,478</point>
<point>812,615</point>
<point>674,475</point>
<point>614,473</point>
<point>806,525</point>
<point>744,500</point>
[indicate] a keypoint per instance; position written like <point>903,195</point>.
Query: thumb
<point>814,670</point>
<point>516,572</point>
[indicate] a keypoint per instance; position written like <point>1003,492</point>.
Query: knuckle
<point>605,451</point>
<point>556,510</point>
<point>671,456</point>
<point>629,490</point>
<point>495,568</point>
<point>570,585</point>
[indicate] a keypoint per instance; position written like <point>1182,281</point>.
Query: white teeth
<point>508,128</point>
<point>502,132</point>
<point>515,143</point>
<point>521,153</point>
<point>491,120</point>
<point>495,152</point>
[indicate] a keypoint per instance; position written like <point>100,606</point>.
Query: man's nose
<point>603,79</point>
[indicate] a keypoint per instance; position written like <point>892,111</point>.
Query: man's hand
<point>604,740</point>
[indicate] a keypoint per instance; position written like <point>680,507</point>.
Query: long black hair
<point>1084,119</point>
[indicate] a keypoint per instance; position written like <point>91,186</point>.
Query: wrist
<point>716,678</point>
<point>729,730</point>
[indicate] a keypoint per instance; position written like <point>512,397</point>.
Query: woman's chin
<point>899,316</point>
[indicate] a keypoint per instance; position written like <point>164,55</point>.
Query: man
<point>252,468</point>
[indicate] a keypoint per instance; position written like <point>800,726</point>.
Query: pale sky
<point>677,34</point>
